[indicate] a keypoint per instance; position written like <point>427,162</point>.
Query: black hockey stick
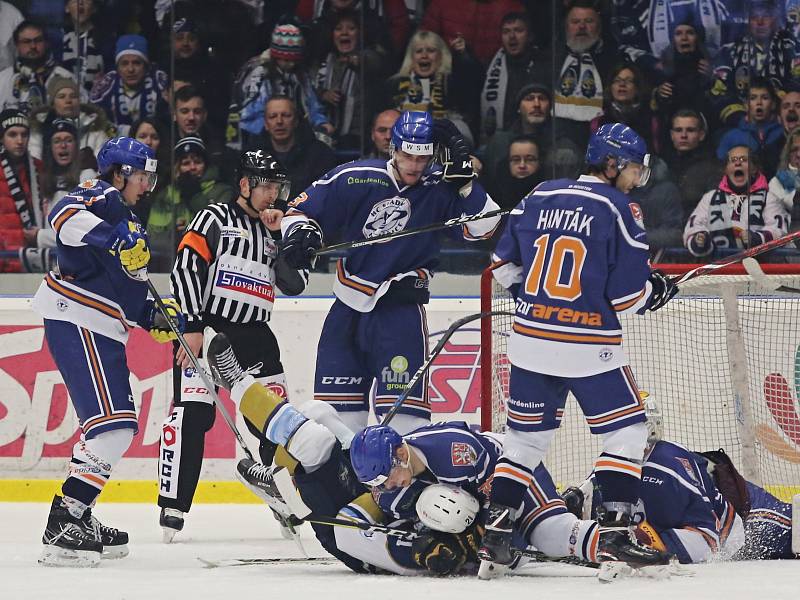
<point>200,370</point>
<point>249,562</point>
<point>738,257</point>
<point>385,237</point>
<point>432,356</point>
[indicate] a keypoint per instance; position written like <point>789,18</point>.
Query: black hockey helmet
<point>259,167</point>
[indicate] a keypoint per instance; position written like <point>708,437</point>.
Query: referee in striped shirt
<point>225,274</point>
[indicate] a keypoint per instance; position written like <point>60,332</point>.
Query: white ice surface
<point>155,571</point>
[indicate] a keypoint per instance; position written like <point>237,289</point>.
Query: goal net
<point>722,358</point>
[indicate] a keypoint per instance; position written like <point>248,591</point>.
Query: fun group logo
<point>782,402</point>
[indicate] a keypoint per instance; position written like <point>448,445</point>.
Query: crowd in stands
<point>713,86</point>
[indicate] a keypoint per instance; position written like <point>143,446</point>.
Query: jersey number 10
<point>556,285</point>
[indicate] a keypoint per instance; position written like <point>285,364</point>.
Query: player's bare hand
<point>332,97</point>
<point>271,218</point>
<point>458,43</point>
<point>665,90</point>
<point>704,67</point>
<point>195,342</point>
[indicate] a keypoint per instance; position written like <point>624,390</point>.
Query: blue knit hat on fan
<point>131,44</point>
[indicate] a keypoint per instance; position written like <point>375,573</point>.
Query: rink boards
<point>38,426</point>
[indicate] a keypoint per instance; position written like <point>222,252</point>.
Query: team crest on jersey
<point>387,216</point>
<point>462,454</point>
<point>687,466</point>
<point>636,211</point>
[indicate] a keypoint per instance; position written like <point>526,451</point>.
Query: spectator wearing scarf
<point>127,98</point>
<point>509,70</point>
<point>20,208</point>
<point>24,85</point>
<point>276,72</point>
<point>338,80</point>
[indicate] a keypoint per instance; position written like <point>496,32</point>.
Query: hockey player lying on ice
<point>697,506</point>
<point>315,443</point>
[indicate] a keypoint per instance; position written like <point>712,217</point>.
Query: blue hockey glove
<point>298,249</point>
<point>156,323</point>
<point>129,245</point>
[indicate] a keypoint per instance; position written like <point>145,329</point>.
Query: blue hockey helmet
<point>372,453</point>
<point>132,155</point>
<point>622,143</point>
<point>413,133</point>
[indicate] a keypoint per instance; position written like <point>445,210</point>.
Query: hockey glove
<point>456,159</point>
<point>663,290</point>
<point>156,323</point>
<point>129,245</point>
<point>438,552</point>
<point>298,249</point>
<point>646,535</point>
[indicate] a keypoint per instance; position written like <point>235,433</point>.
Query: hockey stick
<point>740,256</point>
<point>385,237</point>
<point>249,562</point>
<point>755,271</point>
<point>200,370</point>
<point>432,356</point>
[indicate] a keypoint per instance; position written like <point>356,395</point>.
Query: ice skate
<point>66,542</point>
<point>225,367</point>
<point>495,551</point>
<point>115,542</point>
<point>621,555</point>
<point>171,521</point>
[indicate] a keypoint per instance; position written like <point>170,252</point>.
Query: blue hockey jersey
<point>577,253</point>
<point>679,500</point>
<point>362,199</point>
<point>91,289</point>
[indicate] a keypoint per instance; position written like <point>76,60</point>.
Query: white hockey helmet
<point>655,419</point>
<point>446,508</point>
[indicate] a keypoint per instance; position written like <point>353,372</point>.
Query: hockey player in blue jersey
<point>314,440</point>
<point>376,331</point>
<point>696,505</point>
<point>574,254</point>
<point>88,307</point>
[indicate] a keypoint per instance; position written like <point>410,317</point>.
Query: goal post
<point>722,358</point>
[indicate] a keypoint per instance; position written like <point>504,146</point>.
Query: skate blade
<point>616,570</point>
<point>276,505</point>
<point>53,556</point>
<point>489,570</point>
<point>115,552</point>
<point>168,534</point>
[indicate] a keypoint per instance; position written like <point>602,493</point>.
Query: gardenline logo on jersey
<point>236,282</point>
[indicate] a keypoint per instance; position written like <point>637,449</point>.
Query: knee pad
<point>527,448</point>
<point>311,444</point>
<point>92,463</point>
<point>104,450</point>
<point>628,442</point>
<point>324,414</point>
